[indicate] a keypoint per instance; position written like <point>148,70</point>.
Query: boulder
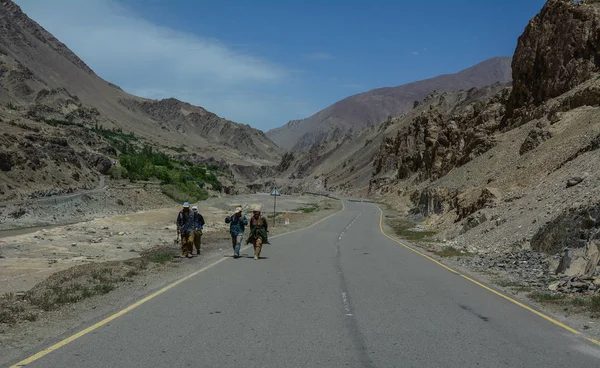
<point>574,181</point>
<point>593,257</point>
<point>554,286</point>
<point>565,261</point>
<point>580,262</point>
<point>535,137</point>
<point>473,200</point>
<point>579,285</point>
<point>103,165</point>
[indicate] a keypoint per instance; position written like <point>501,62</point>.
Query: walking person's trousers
<point>236,242</point>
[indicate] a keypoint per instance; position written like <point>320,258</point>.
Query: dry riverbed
<point>55,280</point>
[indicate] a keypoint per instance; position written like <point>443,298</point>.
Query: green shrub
<point>117,139</point>
<point>182,192</point>
<point>180,179</point>
<point>179,149</point>
<point>308,209</point>
<point>162,257</point>
<point>546,297</point>
<point>118,172</point>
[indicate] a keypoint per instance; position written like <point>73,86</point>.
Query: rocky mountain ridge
<point>364,110</point>
<point>48,93</point>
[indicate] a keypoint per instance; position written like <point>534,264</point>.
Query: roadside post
<point>274,193</point>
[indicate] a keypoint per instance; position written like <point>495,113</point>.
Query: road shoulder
<point>579,323</point>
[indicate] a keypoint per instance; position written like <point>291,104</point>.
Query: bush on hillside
<point>118,172</point>
<point>184,192</point>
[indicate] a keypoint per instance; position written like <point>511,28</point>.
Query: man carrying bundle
<point>258,231</point>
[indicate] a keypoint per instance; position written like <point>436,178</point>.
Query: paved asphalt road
<point>340,294</point>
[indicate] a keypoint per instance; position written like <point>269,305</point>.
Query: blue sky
<point>266,62</point>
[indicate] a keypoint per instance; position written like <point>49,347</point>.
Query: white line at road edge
<point>79,334</point>
<point>547,318</point>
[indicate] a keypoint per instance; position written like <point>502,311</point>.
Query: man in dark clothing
<point>199,225</point>
<point>186,226</point>
<point>258,231</point>
<point>237,224</point>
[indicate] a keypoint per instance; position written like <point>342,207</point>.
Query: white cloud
<point>320,56</point>
<point>156,61</point>
<point>415,53</point>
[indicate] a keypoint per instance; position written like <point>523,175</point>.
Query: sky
<point>264,63</point>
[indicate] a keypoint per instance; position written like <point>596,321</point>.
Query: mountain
<point>63,127</point>
<point>509,171</point>
<point>366,109</point>
<point>39,74</point>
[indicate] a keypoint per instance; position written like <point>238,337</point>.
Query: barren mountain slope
<point>347,165</point>
<point>63,126</point>
<point>369,108</point>
<point>508,173</point>
<point>40,74</point>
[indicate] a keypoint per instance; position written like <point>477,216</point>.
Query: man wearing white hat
<point>258,231</point>
<point>237,223</point>
<point>186,225</point>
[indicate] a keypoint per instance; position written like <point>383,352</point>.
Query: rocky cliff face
<point>33,154</point>
<point>557,51</point>
<point>434,142</point>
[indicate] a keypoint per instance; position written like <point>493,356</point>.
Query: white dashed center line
<point>346,304</point>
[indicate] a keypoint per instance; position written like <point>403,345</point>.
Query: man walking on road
<point>258,231</point>
<point>237,224</point>
<point>199,225</point>
<point>186,226</point>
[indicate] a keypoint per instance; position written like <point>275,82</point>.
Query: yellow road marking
<point>81,333</point>
<point>548,318</point>
<point>111,318</point>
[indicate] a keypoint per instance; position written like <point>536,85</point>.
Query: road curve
<point>340,294</point>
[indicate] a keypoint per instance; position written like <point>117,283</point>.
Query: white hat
<point>194,207</point>
<point>257,208</point>
<point>238,209</point>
